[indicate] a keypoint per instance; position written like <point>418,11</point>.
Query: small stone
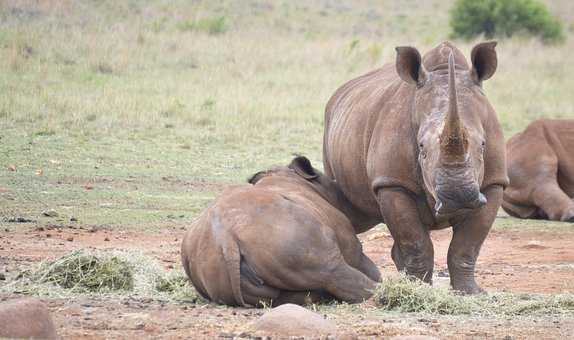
<point>106,239</point>
<point>50,213</point>
<point>73,219</point>
<point>292,320</point>
<point>2,277</point>
<point>70,239</point>
<point>226,335</point>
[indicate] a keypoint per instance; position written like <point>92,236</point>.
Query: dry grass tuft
<point>400,293</point>
<point>98,272</point>
<point>85,272</point>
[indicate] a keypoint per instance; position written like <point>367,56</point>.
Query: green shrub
<point>215,25</point>
<point>504,18</point>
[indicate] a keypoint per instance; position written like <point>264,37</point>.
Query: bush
<point>504,18</point>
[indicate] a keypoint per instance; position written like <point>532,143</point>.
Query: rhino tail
<point>232,258</point>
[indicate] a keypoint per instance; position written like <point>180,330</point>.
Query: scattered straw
<point>102,272</point>
<point>400,293</point>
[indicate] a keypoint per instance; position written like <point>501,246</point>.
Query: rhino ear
<point>409,65</point>
<point>256,177</point>
<point>302,166</point>
<point>484,61</point>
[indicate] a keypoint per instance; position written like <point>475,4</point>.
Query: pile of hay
<point>403,294</point>
<point>85,272</point>
<point>103,272</point>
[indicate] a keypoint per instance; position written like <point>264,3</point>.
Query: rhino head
<point>448,110</point>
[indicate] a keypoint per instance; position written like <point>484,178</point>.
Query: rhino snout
<point>449,201</point>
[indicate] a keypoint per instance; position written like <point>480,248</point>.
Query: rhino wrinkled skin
<point>417,145</point>
<point>541,171</point>
<point>282,239</point>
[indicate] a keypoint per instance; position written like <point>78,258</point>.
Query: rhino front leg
<point>469,232</point>
<point>413,250</point>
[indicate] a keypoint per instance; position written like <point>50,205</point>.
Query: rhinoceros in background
<point>418,146</point>
<point>541,171</point>
<point>283,239</point>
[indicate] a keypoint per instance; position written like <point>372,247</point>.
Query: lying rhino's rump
<point>280,240</point>
<point>541,171</point>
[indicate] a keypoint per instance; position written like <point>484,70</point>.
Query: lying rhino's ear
<point>409,65</point>
<point>303,167</point>
<point>256,177</point>
<point>484,61</point>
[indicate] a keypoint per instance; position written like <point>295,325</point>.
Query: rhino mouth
<point>458,201</point>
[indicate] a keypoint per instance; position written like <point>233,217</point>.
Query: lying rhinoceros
<point>541,171</point>
<point>282,239</point>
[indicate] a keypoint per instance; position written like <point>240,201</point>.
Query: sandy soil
<point>511,260</point>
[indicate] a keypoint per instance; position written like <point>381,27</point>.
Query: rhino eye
<point>421,145</point>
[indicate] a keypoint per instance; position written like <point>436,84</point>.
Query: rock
<point>50,213</point>
<point>292,320</point>
<point>26,318</point>
<point>414,337</point>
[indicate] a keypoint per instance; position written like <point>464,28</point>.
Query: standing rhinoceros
<point>418,146</point>
<point>541,171</point>
<point>285,238</point>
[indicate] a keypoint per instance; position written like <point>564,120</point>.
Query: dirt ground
<point>511,260</point>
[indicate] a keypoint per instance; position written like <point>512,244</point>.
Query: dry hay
<point>403,294</point>
<point>102,272</point>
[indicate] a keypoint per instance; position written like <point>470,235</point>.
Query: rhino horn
<point>453,139</point>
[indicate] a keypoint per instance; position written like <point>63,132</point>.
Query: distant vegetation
<point>135,114</point>
<point>504,18</point>
<point>214,25</point>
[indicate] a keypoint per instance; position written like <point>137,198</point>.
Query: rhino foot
<point>568,216</point>
<point>468,288</point>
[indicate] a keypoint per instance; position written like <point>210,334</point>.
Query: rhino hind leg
<point>302,297</point>
<point>253,289</point>
<point>369,268</point>
<point>554,202</point>
<point>348,284</point>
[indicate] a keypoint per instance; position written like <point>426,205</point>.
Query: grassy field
<point>134,113</point>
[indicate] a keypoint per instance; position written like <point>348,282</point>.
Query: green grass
<point>117,96</point>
